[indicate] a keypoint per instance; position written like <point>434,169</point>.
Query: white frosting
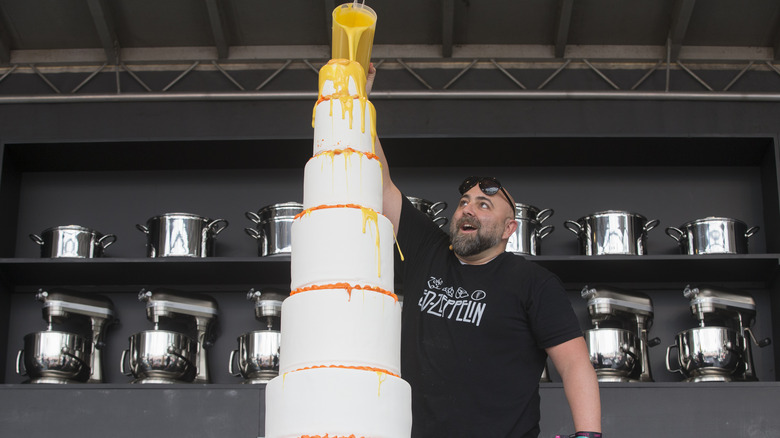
<point>338,402</point>
<point>344,178</point>
<point>332,327</point>
<point>336,245</point>
<point>336,133</point>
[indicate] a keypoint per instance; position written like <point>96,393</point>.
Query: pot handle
<point>142,228</point>
<point>37,239</point>
<point>751,231</point>
<point>651,224</point>
<point>670,230</point>
<point>544,214</point>
<point>230,364</point>
<point>122,363</point>
<point>441,219</point>
<point>571,225</point>
<point>437,208</point>
<point>20,369</point>
<point>217,225</point>
<point>668,353</point>
<point>255,234</point>
<point>252,216</point>
<point>545,231</point>
<point>107,240</point>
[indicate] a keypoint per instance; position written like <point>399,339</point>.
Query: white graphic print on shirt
<point>451,303</point>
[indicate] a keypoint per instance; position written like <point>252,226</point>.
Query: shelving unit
<point>672,161</point>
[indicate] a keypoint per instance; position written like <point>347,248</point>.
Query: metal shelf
<point>240,273</point>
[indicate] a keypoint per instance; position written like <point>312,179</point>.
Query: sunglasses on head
<point>489,186</point>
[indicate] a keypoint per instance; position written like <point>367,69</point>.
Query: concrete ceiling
<point>71,31</point>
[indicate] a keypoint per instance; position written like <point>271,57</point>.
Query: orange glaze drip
<point>368,215</point>
<point>349,288</point>
<point>380,372</point>
<point>339,71</point>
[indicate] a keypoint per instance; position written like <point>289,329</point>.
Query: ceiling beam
<point>217,20</point>
<point>447,27</point>
<point>104,24</point>
<point>776,40</point>
<point>562,27</point>
<point>681,16</point>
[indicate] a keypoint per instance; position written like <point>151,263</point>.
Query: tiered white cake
<point>341,326</point>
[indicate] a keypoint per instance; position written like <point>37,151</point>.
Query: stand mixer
<point>66,356</point>
<point>618,344</point>
<point>173,356</point>
<point>257,355</point>
<point>719,349</point>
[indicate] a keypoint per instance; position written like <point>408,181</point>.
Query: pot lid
<point>284,210</point>
<point>613,213</point>
<point>712,219</point>
<point>70,227</point>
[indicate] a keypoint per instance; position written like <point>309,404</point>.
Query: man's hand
<point>370,78</point>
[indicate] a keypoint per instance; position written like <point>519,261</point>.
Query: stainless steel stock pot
<point>72,241</point>
<point>612,232</point>
<point>273,226</point>
<point>181,235</point>
<point>527,238</point>
<point>712,235</point>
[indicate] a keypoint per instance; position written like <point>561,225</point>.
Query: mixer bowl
<point>707,350</point>
<point>612,351</point>
<point>160,356</point>
<point>54,357</point>
<point>257,356</point>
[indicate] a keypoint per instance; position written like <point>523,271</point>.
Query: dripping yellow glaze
<point>339,72</point>
<point>382,377</point>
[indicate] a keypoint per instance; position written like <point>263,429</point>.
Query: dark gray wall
<point>115,164</point>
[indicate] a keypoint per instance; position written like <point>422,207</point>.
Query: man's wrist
<point>582,435</point>
<point>586,435</point>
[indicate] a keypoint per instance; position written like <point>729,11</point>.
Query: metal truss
<point>514,70</point>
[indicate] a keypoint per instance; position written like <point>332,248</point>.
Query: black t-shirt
<point>473,336</point>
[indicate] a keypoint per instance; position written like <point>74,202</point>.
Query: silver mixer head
<point>267,303</point>
<point>706,300</point>
<point>268,306</point>
<point>167,304</point>
<point>59,305</point>
<point>607,302</point>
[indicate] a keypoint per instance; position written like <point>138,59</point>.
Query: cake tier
<point>343,177</point>
<point>341,326</point>
<point>338,402</point>
<point>342,77</point>
<point>344,123</point>
<point>341,244</point>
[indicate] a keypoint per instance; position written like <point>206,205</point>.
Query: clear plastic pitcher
<point>354,25</point>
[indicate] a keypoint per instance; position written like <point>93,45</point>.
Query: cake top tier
<point>341,78</point>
